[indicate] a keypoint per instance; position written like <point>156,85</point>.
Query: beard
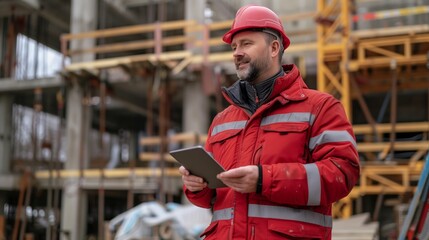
<point>253,70</point>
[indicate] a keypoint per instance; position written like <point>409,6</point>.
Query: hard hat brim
<point>227,37</point>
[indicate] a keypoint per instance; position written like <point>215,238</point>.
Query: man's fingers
<point>192,178</point>
<point>233,173</point>
<point>183,171</point>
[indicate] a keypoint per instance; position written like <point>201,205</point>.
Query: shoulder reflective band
<point>228,126</point>
<point>331,136</point>
<point>288,117</point>
<point>277,212</point>
<point>313,181</point>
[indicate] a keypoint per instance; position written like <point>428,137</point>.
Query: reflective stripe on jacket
<point>307,150</point>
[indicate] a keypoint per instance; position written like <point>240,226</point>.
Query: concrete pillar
<point>195,102</point>
<point>2,40</point>
<point>74,199</point>
<point>5,142</point>
<point>5,132</point>
<point>195,108</point>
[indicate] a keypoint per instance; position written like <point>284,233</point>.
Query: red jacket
<point>307,150</point>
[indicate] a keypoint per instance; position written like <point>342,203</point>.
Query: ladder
<point>416,223</point>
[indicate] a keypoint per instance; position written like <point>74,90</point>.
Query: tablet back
<point>200,163</point>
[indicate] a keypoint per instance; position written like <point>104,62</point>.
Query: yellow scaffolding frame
<point>333,45</point>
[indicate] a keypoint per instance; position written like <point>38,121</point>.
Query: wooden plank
<point>155,156</point>
<point>114,62</point>
<point>392,31</point>
<point>220,25</point>
<point>387,127</point>
<point>203,139</point>
<point>384,41</point>
<point>110,173</point>
<point>384,181</point>
<point>363,190</point>
<point>132,45</point>
<point>186,137</point>
<point>147,141</point>
<point>136,29</point>
<point>399,146</point>
<point>116,47</point>
<point>182,65</point>
<point>382,51</point>
<point>386,169</point>
<point>385,61</point>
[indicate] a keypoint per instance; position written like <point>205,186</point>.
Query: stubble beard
<point>254,69</point>
<point>249,73</point>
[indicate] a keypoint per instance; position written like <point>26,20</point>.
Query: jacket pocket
<point>224,147</point>
<point>223,136</point>
<point>295,230</point>
<point>286,142</point>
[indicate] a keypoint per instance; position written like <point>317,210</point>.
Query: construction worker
<point>289,151</point>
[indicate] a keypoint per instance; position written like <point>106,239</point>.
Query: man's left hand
<point>242,179</point>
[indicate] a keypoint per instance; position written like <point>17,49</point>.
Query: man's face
<point>251,55</point>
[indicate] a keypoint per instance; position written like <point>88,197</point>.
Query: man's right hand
<point>192,182</point>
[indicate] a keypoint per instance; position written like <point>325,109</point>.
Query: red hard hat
<point>249,17</point>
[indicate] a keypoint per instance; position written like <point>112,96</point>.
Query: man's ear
<point>275,48</point>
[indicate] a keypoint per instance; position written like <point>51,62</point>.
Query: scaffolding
<point>347,59</point>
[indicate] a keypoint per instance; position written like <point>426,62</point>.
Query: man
<point>289,151</point>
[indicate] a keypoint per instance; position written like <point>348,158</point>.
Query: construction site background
<point>93,95</point>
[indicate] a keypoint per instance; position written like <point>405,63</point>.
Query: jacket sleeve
<point>204,197</point>
<point>332,168</point>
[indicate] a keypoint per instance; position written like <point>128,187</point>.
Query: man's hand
<point>242,179</point>
<point>192,182</point>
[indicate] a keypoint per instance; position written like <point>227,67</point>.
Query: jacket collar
<point>288,87</point>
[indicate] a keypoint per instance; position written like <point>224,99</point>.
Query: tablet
<point>200,163</point>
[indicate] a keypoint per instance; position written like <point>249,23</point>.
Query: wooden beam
<point>354,65</point>
<point>188,137</point>
<point>387,127</point>
<point>155,156</point>
<point>392,31</point>
<point>375,190</point>
<point>109,173</point>
<point>113,62</point>
<point>136,29</point>
<point>131,45</point>
<point>399,146</point>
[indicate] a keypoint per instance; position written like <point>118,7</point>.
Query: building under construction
<point>94,94</point>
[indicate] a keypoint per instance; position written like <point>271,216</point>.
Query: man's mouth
<point>241,65</point>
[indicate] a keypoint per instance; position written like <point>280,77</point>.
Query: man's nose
<point>237,53</point>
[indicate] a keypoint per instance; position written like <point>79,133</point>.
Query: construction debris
<point>357,227</point>
<point>153,219</point>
